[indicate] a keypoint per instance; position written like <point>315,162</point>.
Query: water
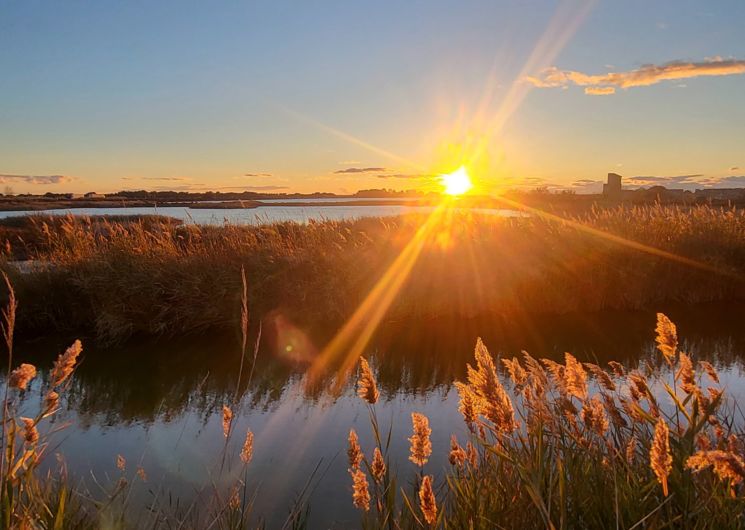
<point>259,215</point>
<point>159,405</point>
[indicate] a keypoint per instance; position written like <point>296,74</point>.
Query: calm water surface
<point>159,405</point>
<point>262,214</point>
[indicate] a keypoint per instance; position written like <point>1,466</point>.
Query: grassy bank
<point>116,279</point>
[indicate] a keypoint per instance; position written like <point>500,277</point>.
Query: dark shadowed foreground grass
<point>116,279</point>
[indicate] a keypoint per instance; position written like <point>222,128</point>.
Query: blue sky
<point>286,96</point>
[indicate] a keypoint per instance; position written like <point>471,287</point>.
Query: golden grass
<point>158,278</point>
<point>581,447</point>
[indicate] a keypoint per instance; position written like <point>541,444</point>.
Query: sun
<point>457,183</point>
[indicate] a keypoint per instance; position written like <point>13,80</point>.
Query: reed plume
<point>667,338</point>
<point>21,376</point>
<point>686,374</point>
<point>710,370</point>
<point>421,446</point>
<point>354,453</point>
<point>360,491</point>
<point>594,417</point>
<point>631,451</point>
<point>660,458</point>
<point>602,377</point>
<point>367,388</point>
<point>467,405</point>
<point>575,377</point>
<point>377,468</point>
<point>227,420</point>
<point>472,455</point>
<point>247,452</point>
<point>728,466</point>
<point>618,369</point>
<point>492,400</point>
<point>457,456</point>
<point>65,363</point>
<point>30,432</point>
<point>51,403</point>
<point>121,463</point>
<point>427,501</point>
<point>518,375</point>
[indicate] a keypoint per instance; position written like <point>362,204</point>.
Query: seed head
<point>472,456</point>
<point>710,370</point>
<point>594,417</point>
<point>353,451</point>
<point>65,363</point>
<point>575,377</point>
<point>601,376</point>
<point>21,376</point>
<point>618,369</point>
<point>51,402</point>
<point>378,465</point>
<point>30,433</point>
<point>667,338</point>
<point>367,389</point>
<point>247,452</point>
<point>492,400</point>
<point>360,491</point>
<point>686,374</point>
<point>427,501</point>
<point>227,420</point>
<point>660,458</point>
<point>421,446</point>
<point>467,405</point>
<point>457,455</point>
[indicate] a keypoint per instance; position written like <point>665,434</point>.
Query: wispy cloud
<point>587,186</point>
<point>650,74</point>
<point>600,90</point>
<point>257,175</point>
<point>361,170</point>
<point>168,179</point>
<point>202,187</point>
<point>405,176</point>
<point>36,179</point>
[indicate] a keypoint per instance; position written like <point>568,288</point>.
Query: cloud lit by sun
<point>457,183</point>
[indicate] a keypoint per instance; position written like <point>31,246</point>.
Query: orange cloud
<point>600,90</point>
<point>604,84</point>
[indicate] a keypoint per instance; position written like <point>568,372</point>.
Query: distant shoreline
<point>71,204</point>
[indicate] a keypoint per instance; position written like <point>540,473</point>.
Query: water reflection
<point>161,403</point>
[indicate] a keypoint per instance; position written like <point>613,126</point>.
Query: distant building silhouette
<point>612,189</point>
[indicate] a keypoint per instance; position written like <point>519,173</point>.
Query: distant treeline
<point>185,196</point>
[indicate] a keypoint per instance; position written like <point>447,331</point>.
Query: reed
<point>587,447</point>
<point>116,279</point>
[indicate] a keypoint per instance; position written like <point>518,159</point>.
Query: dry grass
<point>586,448</point>
<point>121,279</point>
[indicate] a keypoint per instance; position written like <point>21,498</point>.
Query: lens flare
<point>458,182</point>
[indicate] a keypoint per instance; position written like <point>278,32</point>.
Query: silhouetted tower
<point>612,189</point>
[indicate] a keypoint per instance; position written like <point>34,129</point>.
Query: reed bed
<point>118,279</point>
<point>570,445</point>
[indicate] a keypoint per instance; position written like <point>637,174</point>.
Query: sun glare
<point>458,182</point>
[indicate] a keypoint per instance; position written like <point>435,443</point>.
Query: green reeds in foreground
<point>574,445</point>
